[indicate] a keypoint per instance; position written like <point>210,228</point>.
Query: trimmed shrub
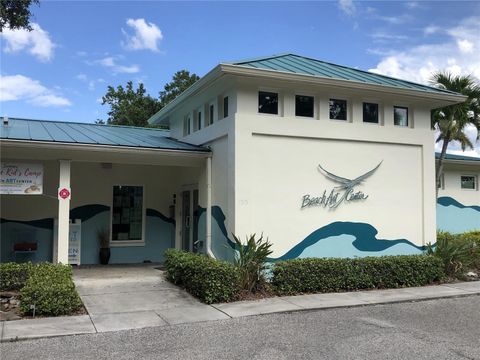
<point>210,280</point>
<point>51,289</point>
<point>314,275</point>
<point>13,276</point>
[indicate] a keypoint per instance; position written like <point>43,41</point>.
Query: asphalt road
<point>438,329</point>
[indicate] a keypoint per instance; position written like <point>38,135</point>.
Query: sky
<point>61,69</point>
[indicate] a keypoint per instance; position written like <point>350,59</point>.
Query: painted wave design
<point>455,217</point>
<point>349,239</point>
<point>448,201</point>
<point>338,239</point>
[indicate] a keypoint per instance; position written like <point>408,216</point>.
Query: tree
<point>451,120</point>
<point>129,106</point>
<point>15,14</point>
<point>181,81</point>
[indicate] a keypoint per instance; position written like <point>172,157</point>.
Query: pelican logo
<point>343,192</point>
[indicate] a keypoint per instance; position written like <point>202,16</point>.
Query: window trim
<point>278,102</point>
<point>295,106</point>
<point>378,122</point>
<point>126,243</point>
<point>346,109</point>
<point>199,119</point>
<point>475,182</point>
<point>408,116</point>
<point>187,128</point>
<point>211,114</point>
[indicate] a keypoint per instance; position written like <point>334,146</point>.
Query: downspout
<point>208,240</point>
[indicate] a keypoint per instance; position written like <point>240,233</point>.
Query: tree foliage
<point>129,106</point>
<point>451,120</point>
<point>181,81</point>
<point>15,14</point>
<point>133,106</point>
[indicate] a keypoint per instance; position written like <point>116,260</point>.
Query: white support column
<point>63,211</point>
<point>208,239</point>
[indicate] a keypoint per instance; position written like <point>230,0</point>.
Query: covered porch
<point>146,191</point>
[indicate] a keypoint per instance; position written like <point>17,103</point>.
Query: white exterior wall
<point>264,164</point>
<point>451,183</point>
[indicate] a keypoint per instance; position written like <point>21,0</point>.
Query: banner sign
<point>21,179</point>
<point>344,192</point>
<point>74,242</point>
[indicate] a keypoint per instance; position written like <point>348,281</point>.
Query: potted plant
<point>103,235</point>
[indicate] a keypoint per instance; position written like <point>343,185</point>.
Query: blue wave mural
<point>454,217</point>
<point>338,239</point>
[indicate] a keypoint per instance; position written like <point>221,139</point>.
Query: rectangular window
<point>267,102</point>
<point>370,113</point>
<point>186,125</point>
<point>338,109</point>
<point>127,214</point>
<point>211,110</point>
<point>199,120</point>
<point>225,106</point>
<point>469,182</point>
<point>304,105</point>
<point>400,116</point>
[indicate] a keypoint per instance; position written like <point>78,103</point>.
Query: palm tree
<point>451,120</point>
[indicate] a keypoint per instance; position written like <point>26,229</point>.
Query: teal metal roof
<point>297,64</point>
<point>92,134</point>
<point>458,157</point>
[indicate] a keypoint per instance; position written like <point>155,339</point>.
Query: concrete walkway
<point>121,298</point>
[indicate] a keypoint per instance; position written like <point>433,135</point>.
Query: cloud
<point>23,88</point>
<point>412,5</point>
<point>431,29</point>
<point>146,36</point>
<point>91,83</point>
<point>386,37</point>
<point>37,42</point>
<point>111,62</point>
<point>458,53</point>
<point>347,6</point>
<point>396,20</point>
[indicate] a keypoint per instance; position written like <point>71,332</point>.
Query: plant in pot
<point>103,235</point>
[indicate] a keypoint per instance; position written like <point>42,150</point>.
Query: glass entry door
<point>190,216</point>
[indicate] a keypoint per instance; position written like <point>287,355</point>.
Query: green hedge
<point>13,276</point>
<point>332,275</point>
<point>210,280</point>
<point>51,289</point>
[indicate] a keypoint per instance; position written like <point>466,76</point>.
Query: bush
<point>332,275</point>
<point>210,280</point>
<point>458,252</point>
<point>13,276</point>
<point>250,261</point>
<point>51,289</point>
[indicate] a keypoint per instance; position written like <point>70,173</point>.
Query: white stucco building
<point>324,160</point>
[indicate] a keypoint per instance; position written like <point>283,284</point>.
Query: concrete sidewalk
<point>193,312</point>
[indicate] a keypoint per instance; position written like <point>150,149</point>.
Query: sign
<point>345,192</point>
<point>64,193</point>
<point>21,179</point>
<point>74,242</point>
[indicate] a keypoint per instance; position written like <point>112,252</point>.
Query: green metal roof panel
<point>458,157</point>
<point>92,134</point>
<point>307,66</point>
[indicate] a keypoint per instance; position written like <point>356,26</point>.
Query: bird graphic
<point>347,184</point>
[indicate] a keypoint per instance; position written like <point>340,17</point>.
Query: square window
<point>370,113</point>
<point>338,109</point>
<point>468,182</point>
<point>127,213</point>
<point>267,102</point>
<point>400,116</point>
<point>225,106</point>
<point>304,105</point>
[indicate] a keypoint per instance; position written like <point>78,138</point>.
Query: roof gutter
<point>97,147</point>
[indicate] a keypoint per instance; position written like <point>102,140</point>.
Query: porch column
<point>63,211</point>
<point>208,240</point>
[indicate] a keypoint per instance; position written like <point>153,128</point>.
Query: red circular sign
<point>64,193</point>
